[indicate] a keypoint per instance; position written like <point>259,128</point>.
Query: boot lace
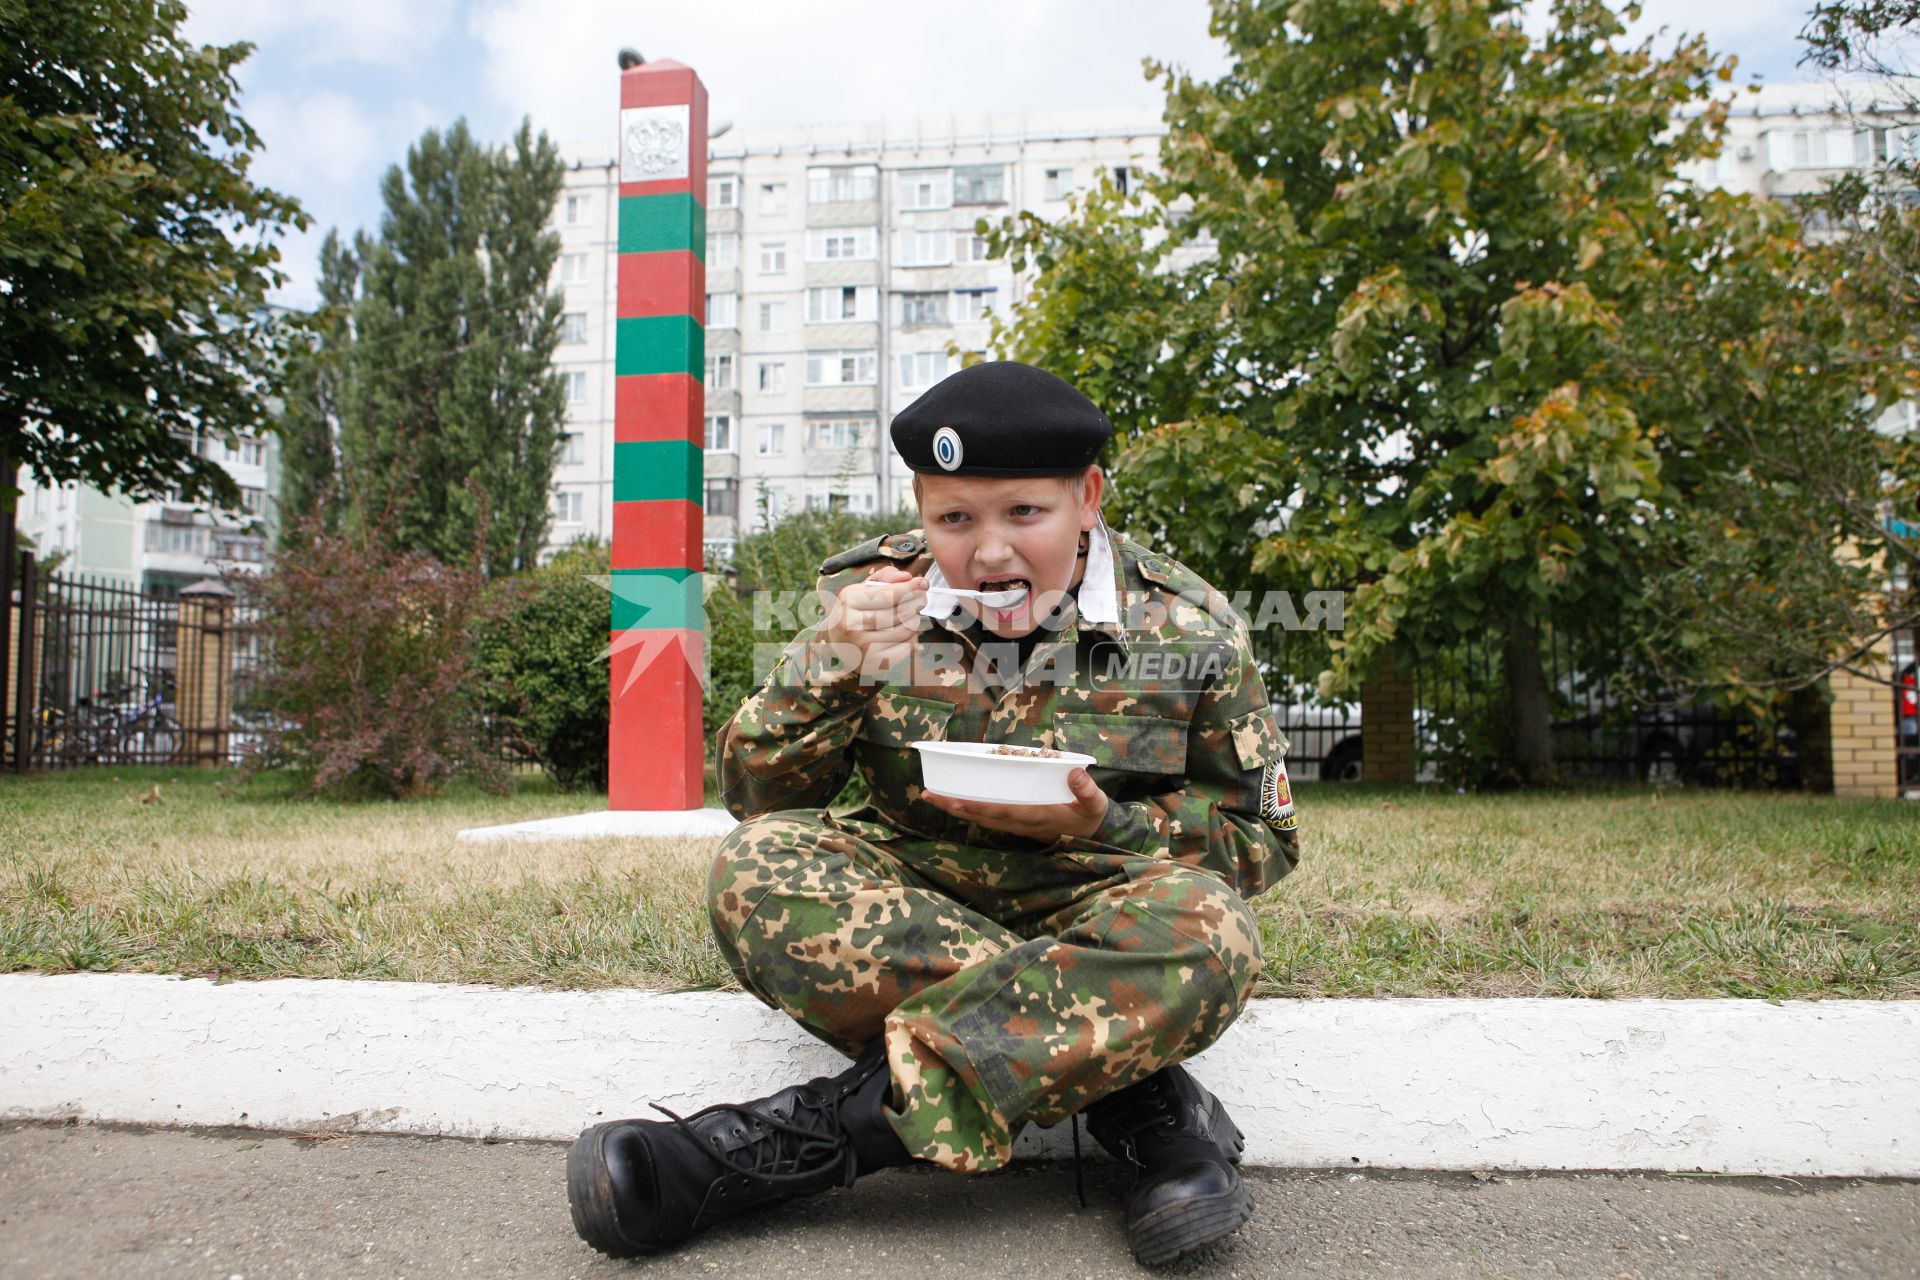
<point>784,1150</point>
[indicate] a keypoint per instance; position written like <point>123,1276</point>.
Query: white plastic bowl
<point>971,771</point>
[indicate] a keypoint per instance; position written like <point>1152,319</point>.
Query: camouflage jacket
<point>1167,700</point>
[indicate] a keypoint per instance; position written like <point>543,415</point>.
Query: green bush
<point>547,685</point>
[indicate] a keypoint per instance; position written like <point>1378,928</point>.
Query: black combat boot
<point>1182,1146</point>
<point>636,1186</point>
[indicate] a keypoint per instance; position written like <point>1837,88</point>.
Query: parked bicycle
<point>116,726</point>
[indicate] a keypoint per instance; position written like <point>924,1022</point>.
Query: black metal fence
<point>95,674</point>
<point>1604,728</point>
<point>1610,720</point>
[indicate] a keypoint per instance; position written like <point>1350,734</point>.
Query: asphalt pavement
<point>92,1201</point>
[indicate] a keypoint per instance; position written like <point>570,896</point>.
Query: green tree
<point>316,390</point>
<point>435,361</point>
<point>1380,322</point>
<point>136,253</point>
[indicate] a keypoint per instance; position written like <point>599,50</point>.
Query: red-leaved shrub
<point>369,679</point>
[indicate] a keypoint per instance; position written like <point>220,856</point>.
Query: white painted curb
<point>1815,1088</point>
<point>602,823</point>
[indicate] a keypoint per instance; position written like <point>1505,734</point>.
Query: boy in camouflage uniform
<point>986,965</point>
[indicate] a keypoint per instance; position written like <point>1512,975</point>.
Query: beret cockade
<point>1001,418</point>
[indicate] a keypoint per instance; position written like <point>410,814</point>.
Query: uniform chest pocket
<point>1130,745</point>
<point>896,720</point>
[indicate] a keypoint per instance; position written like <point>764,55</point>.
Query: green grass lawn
<point>1400,891</point>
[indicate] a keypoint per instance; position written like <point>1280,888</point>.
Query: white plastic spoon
<point>991,599</point>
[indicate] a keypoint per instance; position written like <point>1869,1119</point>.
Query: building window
<point>841,183</point>
<point>576,386</point>
<point>719,373</point>
<point>925,189</point>
<point>840,302</point>
<point>573,268</point>
<point>773,317</point>
<point>567,506</point>
<point>840,433</point>
<point>840,246</point>
<point>253,501</point>
<point>773,197</point>
<point>723,192</point>
<point>972,248</point>
<point>979,184</point>
<point>1059,182</point>
<point>925,248</point>
<point>573,327</point>
<point>573,448</point>
<point>723,498</point>
<point>253,453</point>
<point>578,210</point>
<point>179,539</point>
<point>772,442</point>
<point>825,499</point>
<point>924,368</point>
<point>773,258</point>
<point>923,308</point>
<point>971,305</point>
<point>840,368</point>
<point>773,376</point>
<point>723,311</point>
<point>247,550</point>
<point>720,432</point>
<point>723,250</point>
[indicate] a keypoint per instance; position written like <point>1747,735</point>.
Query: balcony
<point>844,213</point>
<point>855,271</point>
<point>856,399</point>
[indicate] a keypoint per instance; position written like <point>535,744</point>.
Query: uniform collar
<point>1098,597</point>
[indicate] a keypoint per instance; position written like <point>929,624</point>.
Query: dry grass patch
<point>1402,892</point>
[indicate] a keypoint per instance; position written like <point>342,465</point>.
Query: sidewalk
<point>89,1201</point>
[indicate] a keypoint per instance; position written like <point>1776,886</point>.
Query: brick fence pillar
<point>1386,724</point>
<point>22,708</point>
<point>1861,717</point>
<point>202,692</point>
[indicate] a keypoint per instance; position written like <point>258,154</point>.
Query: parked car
<point>1324,740</point>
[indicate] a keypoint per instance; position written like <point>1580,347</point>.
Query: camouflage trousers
<point>1011,986</point>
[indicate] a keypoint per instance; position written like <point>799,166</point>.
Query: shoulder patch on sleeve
<point>1276,797</point>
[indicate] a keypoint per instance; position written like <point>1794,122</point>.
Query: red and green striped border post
<point>658,631</point>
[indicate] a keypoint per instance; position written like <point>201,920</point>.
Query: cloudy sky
<point>338,88</point>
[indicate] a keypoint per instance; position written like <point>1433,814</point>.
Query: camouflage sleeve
<point>1235,815</point>
<point>788,746</point>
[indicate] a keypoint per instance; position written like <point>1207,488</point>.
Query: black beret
<point>1000,418</point>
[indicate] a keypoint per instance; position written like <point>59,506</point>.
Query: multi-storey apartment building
<point>844,270</point>
<point>1788,141</point>
<point>158,547</point>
